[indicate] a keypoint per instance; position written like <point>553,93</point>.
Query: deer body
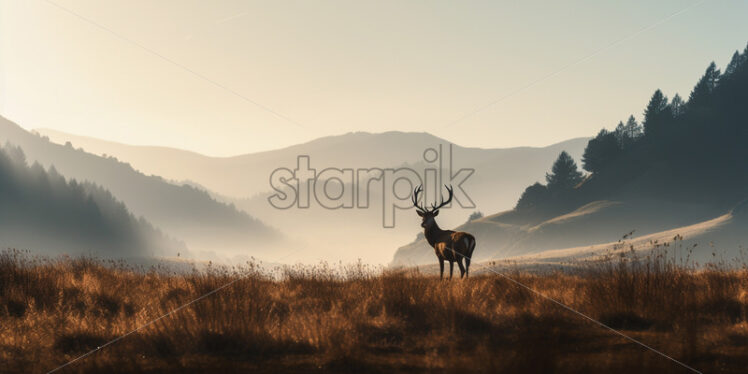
<point>452,246</point>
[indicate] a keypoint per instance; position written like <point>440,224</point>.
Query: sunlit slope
<point>719,239</point>
<point>508,234</point>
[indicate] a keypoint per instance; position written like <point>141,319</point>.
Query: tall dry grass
<point>360,319</point>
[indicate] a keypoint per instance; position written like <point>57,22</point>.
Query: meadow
<point>362,319</point>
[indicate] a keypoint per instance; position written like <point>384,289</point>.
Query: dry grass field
<point>357,319</point>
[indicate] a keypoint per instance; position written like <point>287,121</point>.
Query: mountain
<point>686,164</point>
<point>45,213</point>
<point>186,212</point>
<point>499,175</point>
<point>246,175</point>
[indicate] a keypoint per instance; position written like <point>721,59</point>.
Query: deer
<point>452,246</point>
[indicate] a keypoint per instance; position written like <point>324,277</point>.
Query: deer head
<point>428,215</point>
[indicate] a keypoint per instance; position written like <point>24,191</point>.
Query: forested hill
<point>185,212</point>
<point>686,163</point>
<point>43,212</point>
<point>692,151</point>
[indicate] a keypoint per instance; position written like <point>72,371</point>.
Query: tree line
<point>699,144</point>
<point>40,207</point>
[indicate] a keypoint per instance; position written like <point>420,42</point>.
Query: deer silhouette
<point>452,246</point>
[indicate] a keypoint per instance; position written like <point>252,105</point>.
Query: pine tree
<point>535,195</point>
<point>633,129</point>
<point>677,106</point>
<point>735,63</point>
<point>600,151</point>
<point>475,215</point>
<point>704,86</point>
<point>655,114</point>
<point>620,134</point>
<point>564,174</point>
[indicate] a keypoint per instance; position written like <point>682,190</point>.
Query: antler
<point>443,203</point>
<point>434,207</point>
<point>418,190</point>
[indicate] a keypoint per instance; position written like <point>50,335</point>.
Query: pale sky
<point>340,66</point>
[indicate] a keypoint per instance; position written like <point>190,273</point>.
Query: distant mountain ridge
<point>246,175</point>
<point>499,175</point>
<point>228,176</point>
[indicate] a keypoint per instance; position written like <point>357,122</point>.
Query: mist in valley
<point>372,229</point>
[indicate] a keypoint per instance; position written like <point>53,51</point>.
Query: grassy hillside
<point>596,227</point>
<point>357,319</point>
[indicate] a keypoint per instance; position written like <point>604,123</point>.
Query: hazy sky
<point>340,66</point>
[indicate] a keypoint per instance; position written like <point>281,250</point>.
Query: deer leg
<point>441,268</point>
<point>462,268</point>
<point>467,266</point>
<point>451,268</point>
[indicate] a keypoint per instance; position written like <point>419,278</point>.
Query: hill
<point>186,212</point>
<point>685,164</point>
<point>500,174</point>
<point>712,241</point>
<point>45,213</point>
<point>506,170</point>
<point>246,175</point>
<point>688,152</point>
<point>597,228</point>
